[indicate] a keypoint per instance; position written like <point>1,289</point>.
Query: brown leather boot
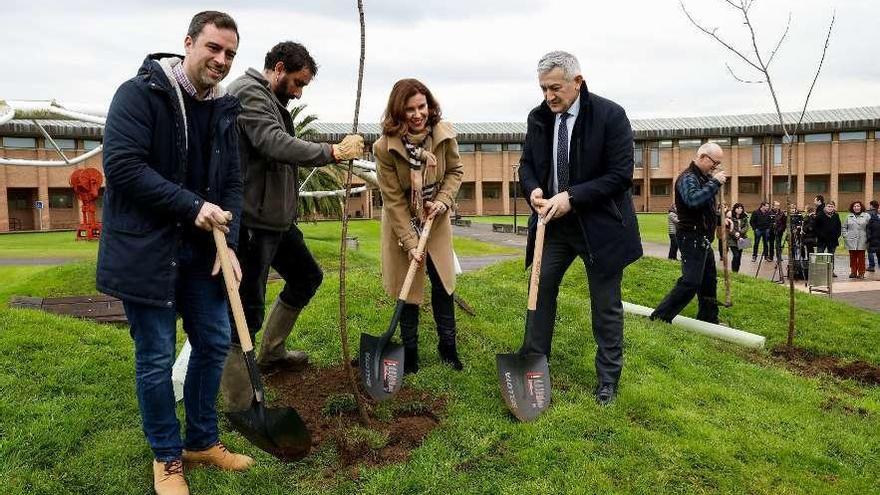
<point>235,384</point>
<point>218,455</point>
<point>273,356</point>
<point>168,478</point>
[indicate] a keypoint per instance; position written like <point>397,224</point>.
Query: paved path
<point>36,261</point>
<point>861,293</point>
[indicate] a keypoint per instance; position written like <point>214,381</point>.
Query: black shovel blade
<point>525,384</point>
<point>279,431</point>
<point>381,367</point>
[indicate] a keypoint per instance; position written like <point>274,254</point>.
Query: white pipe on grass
<point>719,332</point>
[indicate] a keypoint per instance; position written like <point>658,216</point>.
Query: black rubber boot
<point>449,355</point>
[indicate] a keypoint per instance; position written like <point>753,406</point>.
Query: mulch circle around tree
<point>807,363</point>
<point>322,396</point>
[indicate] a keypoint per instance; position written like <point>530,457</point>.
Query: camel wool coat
<point>398,235</point>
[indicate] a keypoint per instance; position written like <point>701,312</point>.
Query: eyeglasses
<point>715,162</point>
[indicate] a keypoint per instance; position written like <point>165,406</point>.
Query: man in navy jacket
<point>576,169</point>
<point>172,165</point>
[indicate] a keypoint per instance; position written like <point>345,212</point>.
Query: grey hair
<point>707,148</point>
<point>564,60</point>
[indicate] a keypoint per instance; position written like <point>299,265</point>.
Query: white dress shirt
<point>573,111</point>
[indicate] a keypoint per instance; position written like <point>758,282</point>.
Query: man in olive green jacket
<point>270,156</point>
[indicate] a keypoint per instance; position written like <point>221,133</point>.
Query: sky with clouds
<point>477,56</point>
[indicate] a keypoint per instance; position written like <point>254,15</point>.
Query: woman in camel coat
<point>419,172</point>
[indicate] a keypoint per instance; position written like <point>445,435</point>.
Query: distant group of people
<point>817,229</point>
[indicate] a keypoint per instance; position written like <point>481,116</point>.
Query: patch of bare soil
<point>807,363</point>
<point>322,397</point>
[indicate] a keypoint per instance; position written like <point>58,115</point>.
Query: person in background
<point>872,252</point>
<point>855,238</point>
<point>808,232</point>
<point>873,232</point>
<point>827,229</point>
<point>738,227</point>
<point>671,222</point>
<point>761,224</point>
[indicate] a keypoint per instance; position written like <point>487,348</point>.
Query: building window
<point>490,147</point>
<point>61,198</point>
<point>637,189</point>
<point>777,155</point>
<point>89,144</point>
<point>747,187</point>
<point>851,185</point>
<point>491,190</point>
<point>19,142</point>
<point>19,199</point>
<point>638,157</point>
<point>665,144</point>
<point>659,189</point>
<point>654,157</point>
<point>854,136</point>
<point>824,137</point>
<point>757,158</point>
<point>466,191</point>
<point>466,147</point>
<point>745,141</point>
<point>720,141</point>
<point>63,143</point>
<point>513,146</point>
<point>689,143</point>
<point>780,185</point>
<point>513,190</point>
<point>816,186</point>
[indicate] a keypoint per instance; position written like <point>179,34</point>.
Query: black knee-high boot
<point>409,328</point>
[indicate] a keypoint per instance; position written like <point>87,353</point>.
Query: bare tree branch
<point>745,81</point>
<point>781,39</point>
<point>713,35</point>
<point>818,70</point>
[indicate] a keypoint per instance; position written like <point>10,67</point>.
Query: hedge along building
<point>834,155</point>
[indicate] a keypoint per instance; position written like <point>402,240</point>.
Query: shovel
<point>525,379</point>
<point>381,362</point>
<point>279,431</point>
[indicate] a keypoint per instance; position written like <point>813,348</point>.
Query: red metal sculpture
<point>86,184</point>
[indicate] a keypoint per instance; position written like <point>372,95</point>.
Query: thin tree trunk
<point>343,245</point>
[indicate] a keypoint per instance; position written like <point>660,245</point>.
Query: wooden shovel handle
<point>414,265</point>
<point>536,265</point>
<point>241,327</point>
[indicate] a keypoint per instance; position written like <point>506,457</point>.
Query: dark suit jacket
<point>601,163</point>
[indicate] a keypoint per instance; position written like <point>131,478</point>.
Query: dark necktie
<point>562,153</point>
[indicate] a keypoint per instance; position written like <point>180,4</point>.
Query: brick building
<point>834,154</point>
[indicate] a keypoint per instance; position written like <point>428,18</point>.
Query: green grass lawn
<point>693,416</point>
<point>46,245</point>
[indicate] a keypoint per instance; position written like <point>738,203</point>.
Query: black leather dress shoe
<point>605,393</point>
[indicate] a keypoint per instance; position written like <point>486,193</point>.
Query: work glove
<point>351,147</point>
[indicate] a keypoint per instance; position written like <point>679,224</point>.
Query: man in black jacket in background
<point>576,169</point>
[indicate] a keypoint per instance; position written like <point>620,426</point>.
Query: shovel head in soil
<point>381,366</point>
<point>381,361</point>
<point>525,384</point>
<point>525,378</point>
<point>279,431</point>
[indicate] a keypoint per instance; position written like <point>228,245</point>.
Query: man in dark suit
<point>576,169</point>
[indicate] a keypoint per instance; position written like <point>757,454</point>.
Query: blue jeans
<point>872,258</point>
<point>201,302</point>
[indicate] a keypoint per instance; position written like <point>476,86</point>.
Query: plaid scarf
<point>423,172</point>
